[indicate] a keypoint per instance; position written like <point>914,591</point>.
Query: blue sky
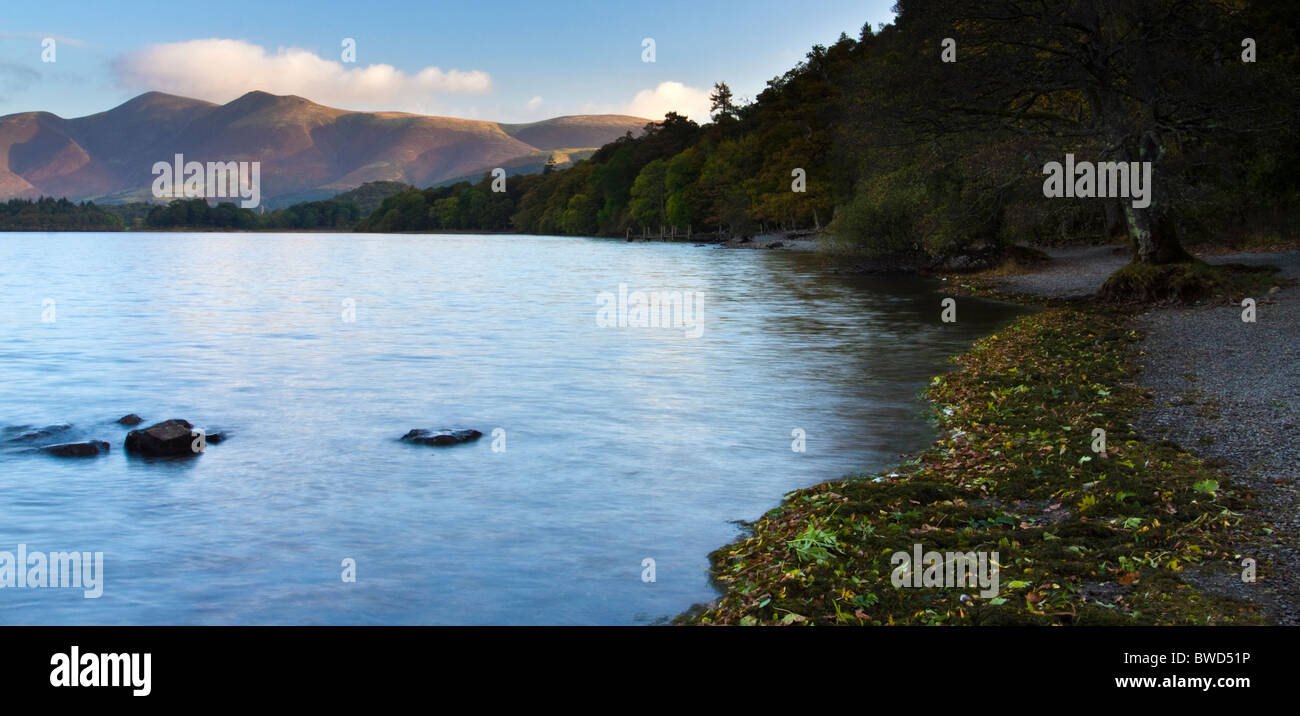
<point>506,60</point>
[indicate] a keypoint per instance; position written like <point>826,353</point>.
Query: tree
<point>1119,80</point>
<point>649,194</point>
<point>684,206</point>
<point>721,107</point>
<point>580,216</point>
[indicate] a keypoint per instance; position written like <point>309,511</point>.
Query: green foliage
<point>649,194</point>
<point>684,205</point>
<point>370,195</point>
<point>47,214</point>
<point>198,214</point>
<point>330,214</point>
<point>814,544</point>
<point>133,214</point>
<point>458,207</point>
<point>879,219</point>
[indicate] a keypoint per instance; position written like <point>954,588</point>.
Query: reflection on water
<point>619,444</point>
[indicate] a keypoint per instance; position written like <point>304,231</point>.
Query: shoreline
<point>1086,538</point>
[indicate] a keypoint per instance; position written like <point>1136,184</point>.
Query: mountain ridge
<point>304,147</point>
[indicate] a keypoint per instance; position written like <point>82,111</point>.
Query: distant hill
<point>572,131</point>
<point>529,164</point>
<point>370,195</point>
<point>307,151</point>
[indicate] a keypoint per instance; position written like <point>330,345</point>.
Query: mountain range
<point>307,151</point>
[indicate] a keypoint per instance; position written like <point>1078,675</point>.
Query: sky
<point>499,60</point>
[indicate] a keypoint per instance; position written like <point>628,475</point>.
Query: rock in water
<point>441,438</point>
<point>131,419</point>
<point>90,448</point>
<point>31,435</point>
<point>170,437</point>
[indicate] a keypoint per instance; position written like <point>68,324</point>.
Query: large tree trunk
<point>1154,236</point>
<point>1151,229</point>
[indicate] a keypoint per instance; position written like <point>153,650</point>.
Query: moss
<point>1082,538</point>
<point>1184,282</point>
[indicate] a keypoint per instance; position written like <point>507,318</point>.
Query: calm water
<point>620,444</point>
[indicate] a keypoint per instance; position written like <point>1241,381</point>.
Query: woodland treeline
<point>929,137</point>
<point>47,214</point>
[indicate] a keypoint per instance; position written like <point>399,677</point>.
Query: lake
<point>603,446</point>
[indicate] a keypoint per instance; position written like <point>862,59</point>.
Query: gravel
<point>1075,272</point>
<point>1226,390</point>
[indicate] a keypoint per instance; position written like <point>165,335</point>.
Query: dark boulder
<point>90,448</point>
<point>441,438</point>
<point>168,438</point>
<point>131,419</point>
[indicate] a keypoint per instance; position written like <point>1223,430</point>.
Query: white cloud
<point>534,102</point>
<point>220,70</point>
<point>670,96</point>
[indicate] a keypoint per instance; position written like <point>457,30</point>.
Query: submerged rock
<point>90,448</point>
<point>131,419</point>
<point>168,438</point>
<point>27,434</point>
<point>441,438</point>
